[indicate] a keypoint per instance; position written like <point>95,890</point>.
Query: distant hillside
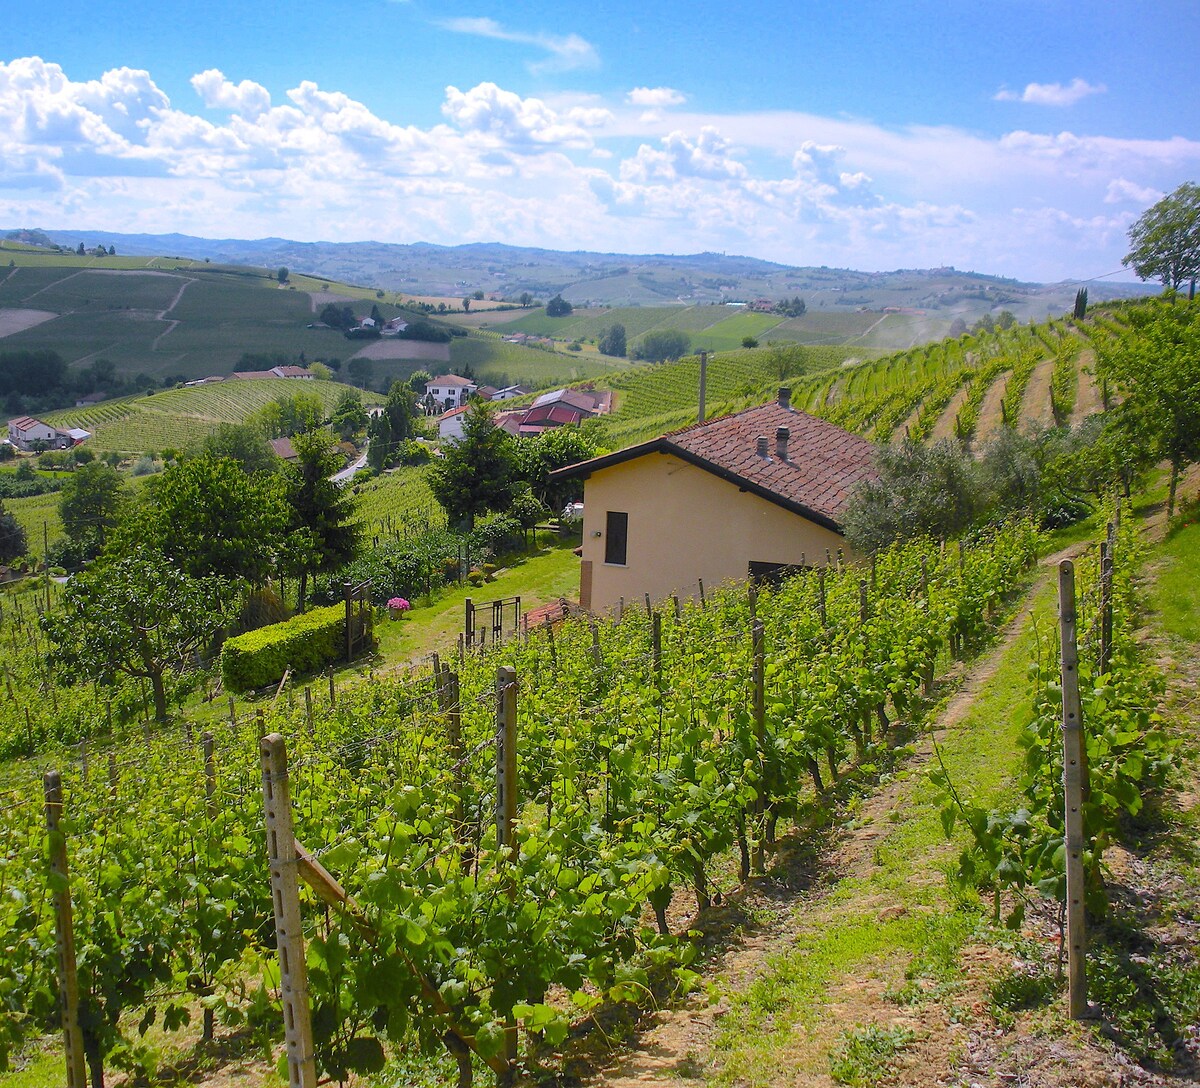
<point>613,279</point>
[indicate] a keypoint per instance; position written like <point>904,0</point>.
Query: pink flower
<point>398,604</point>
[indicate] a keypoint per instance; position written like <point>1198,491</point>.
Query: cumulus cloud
<point>567,52</point>
<point>519,123</point>
<point>217,92</point>
<point>1051,94</point>
<point>707,156</point>
<point>655,97</point>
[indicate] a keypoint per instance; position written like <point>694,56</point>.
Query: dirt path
<point>1036,409</point>
<point>1087,398</point>
<point>990,414</point>
<point>172,324</point>
<point>677,1046</point>
<point>944,427</point>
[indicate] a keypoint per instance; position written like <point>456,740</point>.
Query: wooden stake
<point>656,647</point>
<point>308,715</point>
<point>68,978</point>
<point>285,895</point>
<point>210,774</point>
<point>758,650</point>
<point>1073,779</point>
<point>506,806</point>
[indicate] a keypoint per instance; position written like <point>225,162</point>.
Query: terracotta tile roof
<point>824,463</point>
<point>449,379</point>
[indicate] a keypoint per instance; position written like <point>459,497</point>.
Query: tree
<point>1158,371</point>
<point>1081,300</point>
<point>749,342</point>
<point>525,300</point>
<point>209,517</point>
<point>613,341</point>
<point>527,511</point>
<point>348,416</point>
<point>361,372</point>
<point>558,307</point>
<point>320,533</point>
<point>1164,243</point>
<point>921,490</point>
<point>245,443</point>
<point>400,408</point>
<point>282,274</point>
<point>379,442</point>
<point>12,537</point>
<point>556,448</point>
<point>466,303</point>
<point>418,380</point>
<point>112,251</point>
<point>80,251</point>
<point>663,345</point>
<point>477,472</point>
<point>90,504</point>
<point>141,616</point>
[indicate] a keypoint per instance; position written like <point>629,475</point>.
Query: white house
<point>450,390</point>
<point>450,424</point>
<point>511,392</point>
<point>24,431</point>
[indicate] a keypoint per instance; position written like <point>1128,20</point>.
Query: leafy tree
<point>282,274</point>
<point>749,342</point>
<point>418,380</point>
<point>526,300</point>
<point>1164,243</point>
<point>528,511</point>
<point>290,414</point>
<point>209,517</point>
<point>1158,370</point>
<point>613,341</point>
<point>80,250</point>
<point>663,345</point>
<point>90,504</point>
<point>245,443</point>
<point>466,303</point>
<point>477,472</point>
<point>335,316</point>
<point>558,307</point>
<point>400,409</point>
<point>361,372</point>
<point>141,616</point>
<point>112,251</point>
<point>556,448</point>
<point>921,490</point>
<point>320,533</point>
<point>1005,319</point>
<point>12,537</point>
<point>379,442</point>
<point>348,416</point>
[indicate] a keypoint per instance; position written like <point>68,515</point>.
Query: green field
<point>177,418</point>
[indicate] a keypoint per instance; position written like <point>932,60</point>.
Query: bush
<point>306,643</point>
<point>499,535</point>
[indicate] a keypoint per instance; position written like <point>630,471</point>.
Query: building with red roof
<point>743,495</point>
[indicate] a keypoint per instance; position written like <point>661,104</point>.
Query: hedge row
<point>306,643</point>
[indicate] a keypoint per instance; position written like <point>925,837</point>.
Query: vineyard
<point>177,418</point>
<point>651,762</point>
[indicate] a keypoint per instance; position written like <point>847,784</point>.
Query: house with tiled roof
<point>448,391</point>
<point>741,496</point>
<point>28,433</point>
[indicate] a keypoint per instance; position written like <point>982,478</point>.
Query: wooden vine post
<point>68,978</point>
<point>285,896</point>
<point>758,650</point>
<point>1073,787</point>
<point>506,809</point>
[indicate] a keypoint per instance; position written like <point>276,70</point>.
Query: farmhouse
<point>450,424</point>
<point>449,391</point>
<point>26,433</point>
<point>744,495</point>
<point>301,372</point>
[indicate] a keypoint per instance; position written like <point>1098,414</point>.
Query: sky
<point>1019,138</point>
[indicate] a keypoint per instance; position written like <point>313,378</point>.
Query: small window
<point>615,537</point>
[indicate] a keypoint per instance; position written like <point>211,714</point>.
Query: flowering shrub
<point>398,604</point>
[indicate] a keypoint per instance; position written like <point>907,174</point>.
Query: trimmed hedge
<point>307,643</point>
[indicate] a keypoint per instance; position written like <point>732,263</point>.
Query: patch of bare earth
<point>944,427</point>
<point>1088,400</point>
<point>991,417</point>
<point>14,321</point>
<point>395,348</point>
<point>1036,409</point>
<point>905,428</point>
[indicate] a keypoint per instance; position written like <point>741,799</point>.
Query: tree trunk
<point>160,696</point>
<point>1174,487</point>
<point>302,592</point>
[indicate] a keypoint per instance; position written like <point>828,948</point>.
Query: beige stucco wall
<point>686,524</point>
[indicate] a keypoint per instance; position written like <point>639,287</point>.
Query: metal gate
<point>491,621</point>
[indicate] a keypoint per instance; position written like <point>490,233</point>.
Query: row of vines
<point>659,760</point>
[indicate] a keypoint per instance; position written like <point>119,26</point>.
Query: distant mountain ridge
<point>582,277</point>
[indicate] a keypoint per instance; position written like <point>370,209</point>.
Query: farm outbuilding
<point>744,495</point>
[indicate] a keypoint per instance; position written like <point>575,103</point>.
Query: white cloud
<point>216,92</point>
<point>655,97</point>
<point>1051,94</point>
<point>1122,190</point>
<point>566,52</point>
<point>520,124</point>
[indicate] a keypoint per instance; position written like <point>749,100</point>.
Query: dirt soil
<point>395,348</point>
<point>990,414</point>
<point>1087,399</point>
<point>1035,403</point>
<point>13,321</point>
<point>944,427</point>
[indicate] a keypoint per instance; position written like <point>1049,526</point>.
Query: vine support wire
<point>1074,771</point>
<point>68,978</point>
<point>285,896</point>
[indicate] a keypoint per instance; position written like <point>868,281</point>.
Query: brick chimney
<point>785,397</point>
<point>762,446</point>
<point>782,434</point>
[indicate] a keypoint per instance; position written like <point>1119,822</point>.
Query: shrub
<point>306,643</point>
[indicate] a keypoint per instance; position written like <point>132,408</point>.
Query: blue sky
<point>1019,138</point>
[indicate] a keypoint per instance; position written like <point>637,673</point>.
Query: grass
<point>1176,594</point>
<point>781,1019</point>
